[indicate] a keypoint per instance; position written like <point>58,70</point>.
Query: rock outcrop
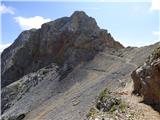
<point>146,79</point>
<point>67,41</point>
<point>11,59</point>
<point>14,92</point>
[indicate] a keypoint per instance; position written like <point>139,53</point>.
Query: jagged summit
<point>78,21</point>
<point>79,13</point>
<point>66,41</point>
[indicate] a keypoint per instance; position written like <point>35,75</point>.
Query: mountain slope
<point>104,71</point>
<point>66,41</point>
<point>59,69</point>
<point>72,97</point>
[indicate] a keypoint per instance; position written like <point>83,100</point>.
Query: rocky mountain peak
<point>83,21</point>
<point>79,14</point>
<point>78,21</point>
<point>67,41</point>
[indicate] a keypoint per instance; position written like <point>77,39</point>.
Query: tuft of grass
<point>114,103</point>
<point>104,94</point>
<point>107,103</point>
<point>122,106</point>
<point>113,108</point>
<point>92,113</point>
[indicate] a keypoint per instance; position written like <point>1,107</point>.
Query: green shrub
<point>109,102</point>
<point>104,94</point>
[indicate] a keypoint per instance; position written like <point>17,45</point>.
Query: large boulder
<point>146,79</point>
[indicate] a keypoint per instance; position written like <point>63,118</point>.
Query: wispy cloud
<point>31,22</point>
<point>155,5</point>
<point>6,9</point>
<point>156,33</point>
<point>3,46</point>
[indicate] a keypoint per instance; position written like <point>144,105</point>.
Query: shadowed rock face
<point>67,41</point>
<point>10,58</point>
<point>147,80</point>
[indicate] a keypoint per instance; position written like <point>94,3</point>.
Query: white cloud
<point>156,33</point>
<point>3,46</point>
<point>4,9</point>
<point>31,22</point>
<point>155,5</point>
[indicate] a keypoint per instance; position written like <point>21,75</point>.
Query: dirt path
<point>143,111</point>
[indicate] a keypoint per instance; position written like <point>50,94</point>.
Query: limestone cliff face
<point>67,41</point>
<point>147,79</point>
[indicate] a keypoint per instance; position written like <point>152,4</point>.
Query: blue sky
<point>131,23</point>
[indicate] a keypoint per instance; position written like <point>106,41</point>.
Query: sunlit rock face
<point>147,79</point>
<point>67,41</point>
